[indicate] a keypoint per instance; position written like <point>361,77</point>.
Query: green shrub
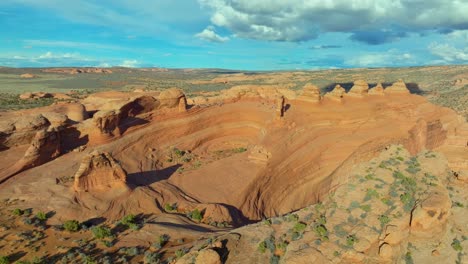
<point>101,232</point>
<point>196,215</point>
<point>170,208</point>
<point>456,244</point>
<point>365,208</point>
<point>180,253</point>
<point>152,257</point>
<point>321,231</point>
<point>18,212</point>
<point>41,216</point>
<point>162,240</point>
<point>71,225</point>
<point>239,150</point>
<point>4,260</point>
<point>292,218</point>
<point>299,227</point>
<point>262,247</point>
<point>384,220</point>
<point>350,240</point>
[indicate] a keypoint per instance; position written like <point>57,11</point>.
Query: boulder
<point>398,87</point>
<point>429,218</point>
<point>359,89</point>
<point>107,121</point>
<point>310,93</point>
<point>336,94</point>
<point>170,98</point>
<point>98,172</point>
<point>377,90</point>
<point>26,96</point>
<point>208,256</point>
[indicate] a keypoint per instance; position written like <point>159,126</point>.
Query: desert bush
<point>456,245</point>
<point>384,220</point>
<point>71,225</point>
<point>196,215</point>
<point>101,232</point>
<point>350,240</point>
<point>321,231</point>
<point>170,207</point>
<point>41,216</point>
<point>18,212</point>
<point>130,222</point>
<point>162,240</point>
<point>152,257</point>
<point>299,227</point>
<point>4,260</point>
<point>180,253</point>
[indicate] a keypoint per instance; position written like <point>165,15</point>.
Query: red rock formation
<point>359,89</point>
<point>44,147</point>
<point>22,130</point>
<point>310,93</point>
<point>99,172</point>
<point>377,90</point>
<point>170,98</point>
<point>279,106</point>
<point>336,94</point>
<point>398,87</point>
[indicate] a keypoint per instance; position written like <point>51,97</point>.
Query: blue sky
<point>233,34</point>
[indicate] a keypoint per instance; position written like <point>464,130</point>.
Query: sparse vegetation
<point>101,232</point>
<point>71,225</point>
<point>350,240</point>
<point>18,212</point>
<point>41,216</point>
<point>170,207</point>
<point>456,245</point>
<point>161,241</point>
<point>196,215</point>
<point>4,260</point>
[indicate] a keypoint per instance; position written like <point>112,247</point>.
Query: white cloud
<point>449,53</point>
<point>299,20</point>
<point>209,34</point>
<point>381,59</point>
<point>129,63</point>
<point>459,35</point>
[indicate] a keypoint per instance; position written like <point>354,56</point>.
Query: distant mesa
<point>99,172</point>
<point>40,95</point>
<point>28,76</point>
<point>76,70</point>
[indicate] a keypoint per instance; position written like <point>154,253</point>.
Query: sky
<point>233,34</point>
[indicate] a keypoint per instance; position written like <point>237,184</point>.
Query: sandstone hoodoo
<point>398,87</point>
<point>100,172</point>
<point>359,89</point>
<point>377,90</point>
<point>279,106</point>
<point>310,93</point>
<point>336,94</point>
